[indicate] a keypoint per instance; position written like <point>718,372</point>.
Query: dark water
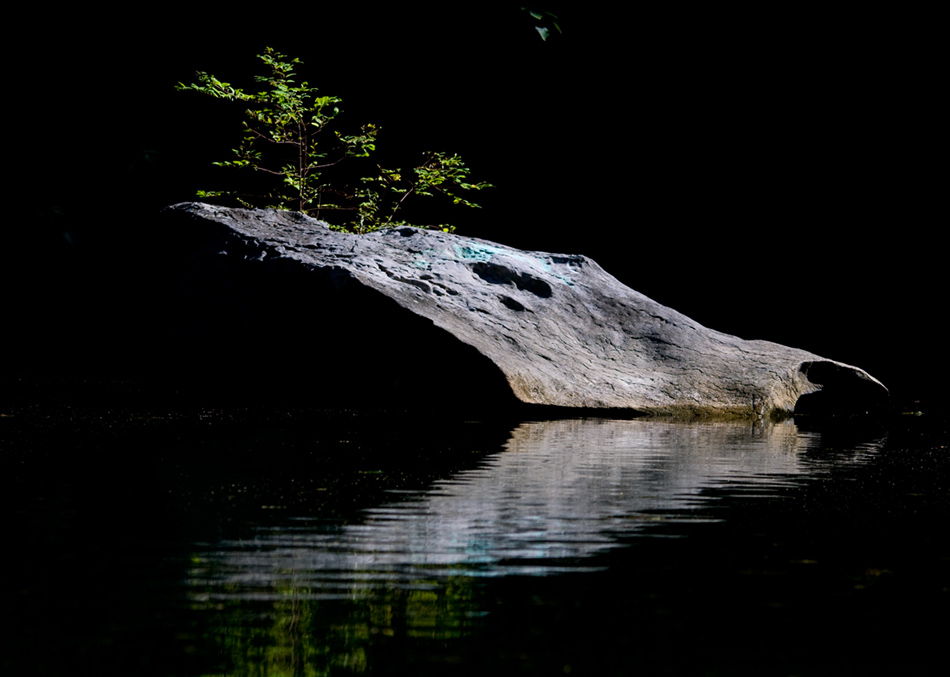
<point>238,542</point>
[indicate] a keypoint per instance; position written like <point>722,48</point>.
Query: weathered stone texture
<point>562,330</point>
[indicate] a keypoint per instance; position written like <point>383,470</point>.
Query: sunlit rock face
<point>410,312</point>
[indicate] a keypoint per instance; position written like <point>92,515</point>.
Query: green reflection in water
<point>293,630</point>
<point>418,573</point>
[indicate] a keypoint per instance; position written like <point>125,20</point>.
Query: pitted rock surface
<point>562,330</point>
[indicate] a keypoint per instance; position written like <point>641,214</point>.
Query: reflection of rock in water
<point>560,490</point>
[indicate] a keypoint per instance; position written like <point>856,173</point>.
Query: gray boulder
<point>558,328</point>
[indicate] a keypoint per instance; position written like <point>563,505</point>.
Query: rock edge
<point>562,330</point>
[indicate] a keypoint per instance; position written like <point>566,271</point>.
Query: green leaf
<point>287,121</point>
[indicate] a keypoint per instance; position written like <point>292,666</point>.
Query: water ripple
<point>558,494</point>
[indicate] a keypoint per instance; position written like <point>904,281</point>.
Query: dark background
<point>771,173</point>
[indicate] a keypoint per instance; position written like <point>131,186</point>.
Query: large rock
<point>558,328</point>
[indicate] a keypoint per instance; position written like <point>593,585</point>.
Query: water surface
<point>556,494</point>
<point>220,543</point>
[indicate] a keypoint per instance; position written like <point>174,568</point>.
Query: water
<point>556,494</point>
<point>322,543</point>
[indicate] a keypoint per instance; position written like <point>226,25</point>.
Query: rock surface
<point>560,329</point>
